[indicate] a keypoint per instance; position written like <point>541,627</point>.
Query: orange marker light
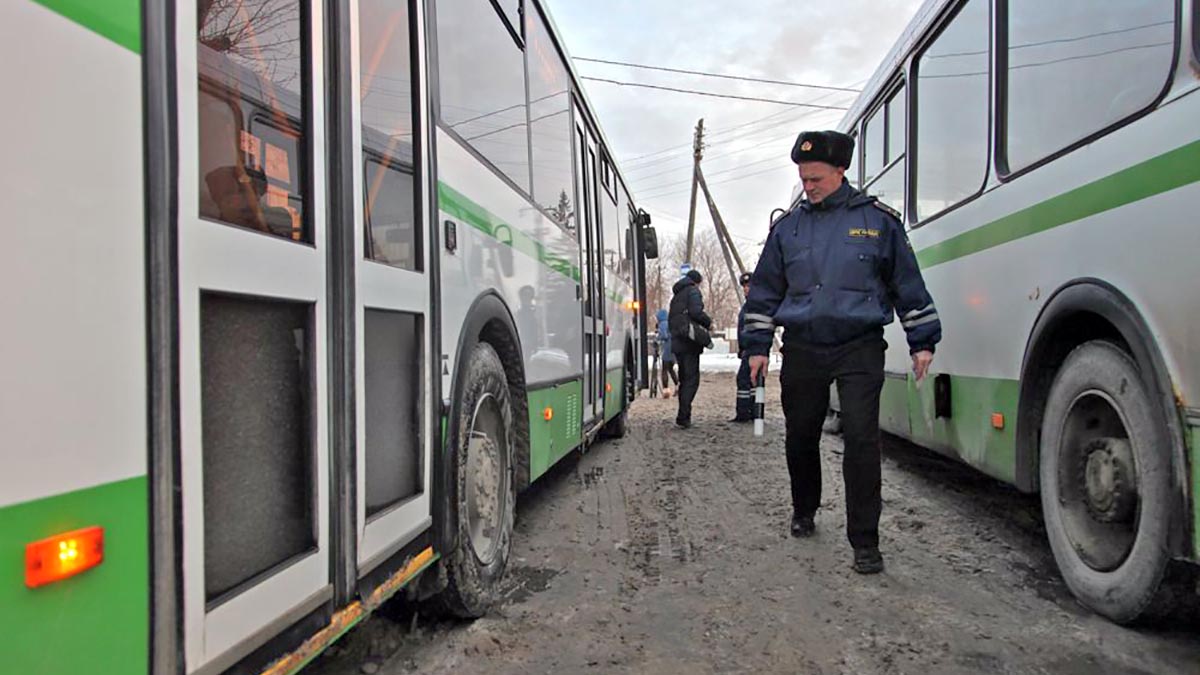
<point>636,305</point>
<point>548,414</point>
<point>63,556</point>
<point>997,420</point>
<point>608,387</point>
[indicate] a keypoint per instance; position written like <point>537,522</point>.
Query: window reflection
<point>1097,62</point>
<point>391,235</point>
<point>897,122</point>
<point>550,123</point>
<point>482,85</point>
<point>873,147</point>
<point>252,153</point>
<point>889,188</point>
<point>952,113</point>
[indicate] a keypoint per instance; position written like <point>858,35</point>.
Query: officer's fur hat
<point>831,147</point>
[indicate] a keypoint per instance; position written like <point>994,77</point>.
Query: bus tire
<point>1105,472</point>
<point>618,426</point>
<point>483,499</point>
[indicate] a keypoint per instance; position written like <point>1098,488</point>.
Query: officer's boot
<point>803,526</point>
<point>868,560</point>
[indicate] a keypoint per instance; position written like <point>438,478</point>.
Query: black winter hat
<point>831,147</point>
<point>694,275</point>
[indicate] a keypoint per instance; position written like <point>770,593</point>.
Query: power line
<point>675,148</point>
<point>719,75</point>
<point>721,182</point>
<point>715,95</point>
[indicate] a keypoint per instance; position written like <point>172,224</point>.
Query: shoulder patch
<point>887,209</point>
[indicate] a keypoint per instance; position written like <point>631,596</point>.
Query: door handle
<point>578,292</point>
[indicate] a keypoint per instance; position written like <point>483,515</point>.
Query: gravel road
<point>667,552</point>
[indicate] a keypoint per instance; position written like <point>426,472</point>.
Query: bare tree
<point>720,299</point>
<point>262,35</point>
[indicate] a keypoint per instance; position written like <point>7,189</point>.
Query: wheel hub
<point>486,478</point>
<point>1109,483</point>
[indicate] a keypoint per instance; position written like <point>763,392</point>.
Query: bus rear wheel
<point>1105,482</point>
<point>484,496</point>
<point>618,426</point>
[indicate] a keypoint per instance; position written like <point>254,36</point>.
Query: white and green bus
<point>298,296</point>
<point>1046,157</point>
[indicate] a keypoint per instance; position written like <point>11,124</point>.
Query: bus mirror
<point>503,234</point>
<point>776,215</point>
<point>643,218</point>
<point>649,242</point>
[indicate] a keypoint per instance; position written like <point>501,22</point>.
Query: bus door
<point>253,327</point>
<point>592,283</point>
<point>393,383</point>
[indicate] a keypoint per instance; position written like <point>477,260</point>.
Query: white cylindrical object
<point>760,406</point>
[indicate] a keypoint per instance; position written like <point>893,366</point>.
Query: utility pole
<point>697,153</point>
<point>727,246</point>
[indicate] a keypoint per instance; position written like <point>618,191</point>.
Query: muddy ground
<point>668,552</point>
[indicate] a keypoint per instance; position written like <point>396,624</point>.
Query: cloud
<point>837,44</point>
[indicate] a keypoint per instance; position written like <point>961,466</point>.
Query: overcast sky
<point>830,43</point>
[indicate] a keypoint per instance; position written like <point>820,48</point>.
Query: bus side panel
<point>555,433</point>
<point>1120,210</point>
<point>74,407</point>
<point>507,246</point>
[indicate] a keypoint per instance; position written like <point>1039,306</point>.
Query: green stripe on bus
<point>461,207</point>
<point>1155,176</point>
<point>968,432</point>
<point>96,622</point>
<point>117,20</point>
<point>550,440</point>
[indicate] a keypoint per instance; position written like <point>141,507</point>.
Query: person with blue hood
<point>668,357</point>
<point>689,326</point>
<point>833,272</point>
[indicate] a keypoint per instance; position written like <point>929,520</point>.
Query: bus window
<point>952,113</point>
<point>482,85</point>
<point>387,135</point>
<point>897,126</point>
<point>512,14</point>
<point>873,146</point>
<point>1094,63</point>
<point>549,123</point>
<point>253,157</point>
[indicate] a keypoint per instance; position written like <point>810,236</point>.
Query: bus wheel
<point>484,498</point>
<point>1106,482</point>
<point>618,426</point>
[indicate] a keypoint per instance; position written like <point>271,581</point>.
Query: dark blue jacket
<point>741,334</point>
<point>836,271</point>
<point>664,337</point>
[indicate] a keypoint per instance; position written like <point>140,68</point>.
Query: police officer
<point>833,272</point>
<point>744,408</point>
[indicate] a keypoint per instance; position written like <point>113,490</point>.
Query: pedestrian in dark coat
<point>687,341</point>
<point>833,272</point>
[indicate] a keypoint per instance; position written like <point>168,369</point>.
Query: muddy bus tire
<point>483,495</point>
<point>618,426</point>
<point>1106,482</point>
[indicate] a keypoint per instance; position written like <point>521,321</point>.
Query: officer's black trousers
<point>689,382</point>
<point>857,367</point>
<point>745,392</point>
